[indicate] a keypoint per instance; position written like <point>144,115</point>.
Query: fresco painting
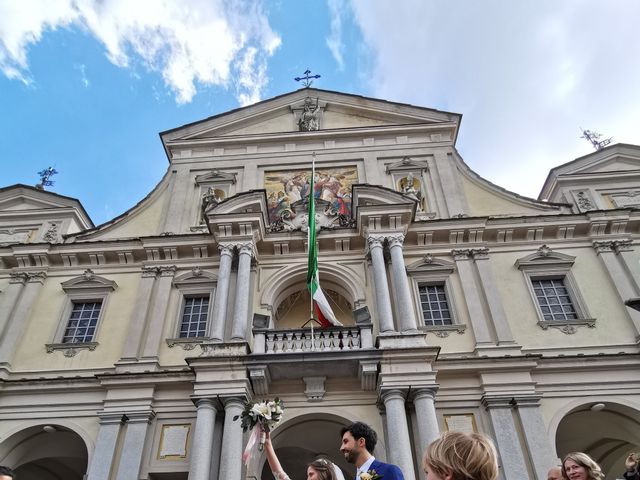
<point>285,187</point>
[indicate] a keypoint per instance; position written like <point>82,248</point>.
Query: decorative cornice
<point>568,327</point>
<point>615,246</point>
<point>18,277</point>
<point>71,349</point>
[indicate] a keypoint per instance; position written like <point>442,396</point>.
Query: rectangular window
<point>194,317</point>
<point>82,322</point>
<point>434,305</point>
<point>554,299</point>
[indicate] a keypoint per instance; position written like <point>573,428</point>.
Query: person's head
<point>321,469</point>
<point>461,456</point>
<point>580,466</point>
<point>6,473</point>
<point>358,439</point>
<point>555,473</point>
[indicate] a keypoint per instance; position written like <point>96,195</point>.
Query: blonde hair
<point>464,456</point>
<point>594,472</point>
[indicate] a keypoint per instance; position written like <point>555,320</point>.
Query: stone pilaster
<point>202,445</point>
<point>19,319</point>
<point>232,447</point>
<point>133,444</point>
<point>612,254</point>
<point>399,441</point>
<point>179,183</point>
<point>102,458</point>
<point>243,283</point>
<point>158,313</point>
<point>404,301</point>
<point>9,297</point>
<point>492,295</point>
<point>475,305</point>
<point>426,418</point>
<point>139,316</point>
<point>506,435</point>
<point>383,300</point>
<point>535,434</point>
<point>219,316</point>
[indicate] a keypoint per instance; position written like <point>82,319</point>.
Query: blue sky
<point>87,85</point>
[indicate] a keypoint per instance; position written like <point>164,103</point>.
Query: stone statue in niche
<point>410,186</point>
<point>308,120</point>
<point>211,198</point>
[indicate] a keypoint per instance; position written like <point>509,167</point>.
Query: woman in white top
<point>319,469</point>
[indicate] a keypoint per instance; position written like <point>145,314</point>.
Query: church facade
<point>126,349</point>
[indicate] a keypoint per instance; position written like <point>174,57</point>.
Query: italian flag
<point>321,306</point>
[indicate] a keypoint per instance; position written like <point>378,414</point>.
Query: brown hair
<point>324,468</point>
<point>594,472</point>
<point>464,456</point>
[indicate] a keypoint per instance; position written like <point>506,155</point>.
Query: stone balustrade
<point>300,340</point>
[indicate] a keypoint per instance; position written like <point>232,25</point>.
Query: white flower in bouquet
<point>267,414</point>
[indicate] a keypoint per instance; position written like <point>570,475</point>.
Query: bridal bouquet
<point>260,418</point>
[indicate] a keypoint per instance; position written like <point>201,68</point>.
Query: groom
<point>358,441</point>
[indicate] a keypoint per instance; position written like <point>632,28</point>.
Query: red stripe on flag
<point>324,323</point>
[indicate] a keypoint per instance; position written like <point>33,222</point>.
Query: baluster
<point>332,341</point>
<point>291,339</point>
<point>297,342</point>
<point>270,343</point>
<point>306,343</point>
<point>356,339</point>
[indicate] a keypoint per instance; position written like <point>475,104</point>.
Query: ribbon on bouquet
<point>248,451</point>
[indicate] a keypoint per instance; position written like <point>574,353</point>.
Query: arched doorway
<point>45,452</point>
<point>606,431</point>
<point>303,439</point>
<point>294,307</point>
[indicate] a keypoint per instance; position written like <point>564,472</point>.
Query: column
<point>243,281</point>
<point>102,458</point>
<point>219,316</point>
<point>131,455</point>
<point>404,300</point>
<point>499,318</point>
<point>19,320</point>
<point>535,434</point>
<point>155,328</point>
<point>618,272</point>
<point>232,448</point>
<point>383,301</point>
<point>506,436</point>
<point>139,316</point>
<point>399,447</point>
<point>202,444</point>
<point>9,297</point>
<point>427,420</point>
<point>477,315</point>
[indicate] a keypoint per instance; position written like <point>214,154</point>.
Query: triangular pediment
<point>216,176</point>
<point>334,111</point>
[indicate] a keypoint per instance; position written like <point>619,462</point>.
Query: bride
<point>319,469</point>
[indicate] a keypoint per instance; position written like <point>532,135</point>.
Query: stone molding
<point>568,327</point>
<point>615,246</point>
<point>71,349</point>
<point>315,389</point>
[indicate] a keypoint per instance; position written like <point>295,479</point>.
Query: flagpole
<point>311,198</point>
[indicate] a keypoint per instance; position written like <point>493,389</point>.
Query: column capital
<point>526,401</point>
<point>144,416</point>
<point>112,418</point>
<point>480,253</point>
<point>18,277</point>
<point>225,249</point>
<point>424,392</point>
<point>375,240</point>
<point>167,270</point>
<point>234,401</point>
<point>36,277</point>
<point>396,240</point>
<point>603,246</point>
<point>205,403</point>
<point>491,401</point>
<point>149,272</point>
<point>393,394</point>
<point>459,254</point>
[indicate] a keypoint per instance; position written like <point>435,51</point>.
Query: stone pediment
<point>407,164</point>
<point>216,176</point>
<point>22,197</point>
<point>282,115</point>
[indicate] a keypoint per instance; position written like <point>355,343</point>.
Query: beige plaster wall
<point>47,314</point>
<point>483,202</point>
<point>601,301</point>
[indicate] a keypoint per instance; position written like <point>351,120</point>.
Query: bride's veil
<point>339,474</point>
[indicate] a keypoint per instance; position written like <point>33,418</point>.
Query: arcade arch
<point>45,452</point>
<point>607,431</point>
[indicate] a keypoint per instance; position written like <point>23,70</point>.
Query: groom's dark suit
<point>387,470</point>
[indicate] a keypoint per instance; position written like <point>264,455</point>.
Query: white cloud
<point>83,74</point>
<point>525,75</point>
<point>191,43</point>
<point>334,41</point>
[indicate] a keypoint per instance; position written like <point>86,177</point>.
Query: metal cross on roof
<point>594,139</point>
<point>45,175</point>
<point>307,79</point>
